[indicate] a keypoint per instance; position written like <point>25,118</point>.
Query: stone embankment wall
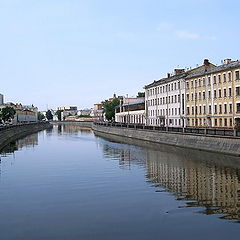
<point>81,124</point>
<point>224,145</point>
<point>14,132</point>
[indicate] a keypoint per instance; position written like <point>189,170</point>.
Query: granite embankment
<point>14,132</point>
<point>81,124</point>
<point>225,145</point>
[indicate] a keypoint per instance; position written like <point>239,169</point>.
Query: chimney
<point>227,60</point>
<point>168,75</point>
<point>206,62</point>
<point>178,71</point>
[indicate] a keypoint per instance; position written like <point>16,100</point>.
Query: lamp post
<point>128,109</point>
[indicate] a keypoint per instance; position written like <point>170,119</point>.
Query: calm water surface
<point>67,183</point>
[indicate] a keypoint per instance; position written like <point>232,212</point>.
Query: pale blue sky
<point>79,52</point>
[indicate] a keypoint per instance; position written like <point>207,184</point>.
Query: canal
<point>66,183</point>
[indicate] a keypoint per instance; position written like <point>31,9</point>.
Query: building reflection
<point>29,141</point>
<point>200,179</point>
<point>70,129</point>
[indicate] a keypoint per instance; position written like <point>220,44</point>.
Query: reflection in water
<point>201,179</point>
<point>30,141</point>
<point>70,129</point>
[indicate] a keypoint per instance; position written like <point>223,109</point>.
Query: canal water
<point>66,183</point>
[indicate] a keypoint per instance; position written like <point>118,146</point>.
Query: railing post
<point>234,132</point>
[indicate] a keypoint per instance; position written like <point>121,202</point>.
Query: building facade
<point>213,97</point>
<point>131,111</point>
<point>165,101</point>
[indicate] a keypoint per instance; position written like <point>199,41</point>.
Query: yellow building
<point>213,96</point>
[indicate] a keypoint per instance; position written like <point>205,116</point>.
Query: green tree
<point>141,94</point>
<point>59,113</point>
<point>40,116</point>
<point>7,113</point>
<point>109,107</point>
<point>49,115</point>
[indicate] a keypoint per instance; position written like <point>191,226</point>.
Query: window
<point>230,92</point>
<point>199,95</point>
<point>192,96</point>
<point>200,110</point>
<point>214,94</point>
<point>214,80</point>
<point>230,108</point>
<point>178,85</point>
<point>204,95</point>
<point>225,122</point>
<point>238,107</point>
<point>215,109</point>
<point>225,108</point>
<point>229,77</point>
<point>219,79</point>
<point>195,83</point>
<point>209,80</point>
<point>237,75</point>
<point>187,85</point>
<point>199,82</point>
<point>220,108</point>
<point>188,111</point>
<point>219,93</point>
<point>225,92</point>
<point>224,77</point>
<point>209,94</point>
<point>215,122</point>
<point>187,97</point>
<point>204,109</point>
<point>230,122</point>
<point>178,97</point>
<point>210,109</point>
<point>192,110</point>
<point>237,91</point>
<point>204,82</point>
<point>196,110</point>
<point>220,122</point>
<point>175,86</point>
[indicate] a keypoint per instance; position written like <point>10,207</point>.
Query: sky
<point>79,52</point>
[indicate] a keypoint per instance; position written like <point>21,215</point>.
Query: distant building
<point>67,108</point>
<point>1,99</point>
<point>98,111</point>
<point>131,111</point>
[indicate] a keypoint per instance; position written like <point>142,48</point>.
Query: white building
<point>165,101</point>
<point>131,111</point>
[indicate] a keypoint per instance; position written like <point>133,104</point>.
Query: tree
<point>59,114</point>
<point>109,107</point>
<point>49,115</point>
<point>40,116</point>
<point>7,113</point>
<point>141,94</point>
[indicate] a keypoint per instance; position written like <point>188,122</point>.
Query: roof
<point>166,80</point>
<point>215,69</point>
<point>134,103</point>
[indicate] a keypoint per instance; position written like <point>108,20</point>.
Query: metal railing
<point>187,130</point>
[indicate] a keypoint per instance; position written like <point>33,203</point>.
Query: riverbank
<point>223,144</point>
<point>82,124</point>
<point>14,132</point>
